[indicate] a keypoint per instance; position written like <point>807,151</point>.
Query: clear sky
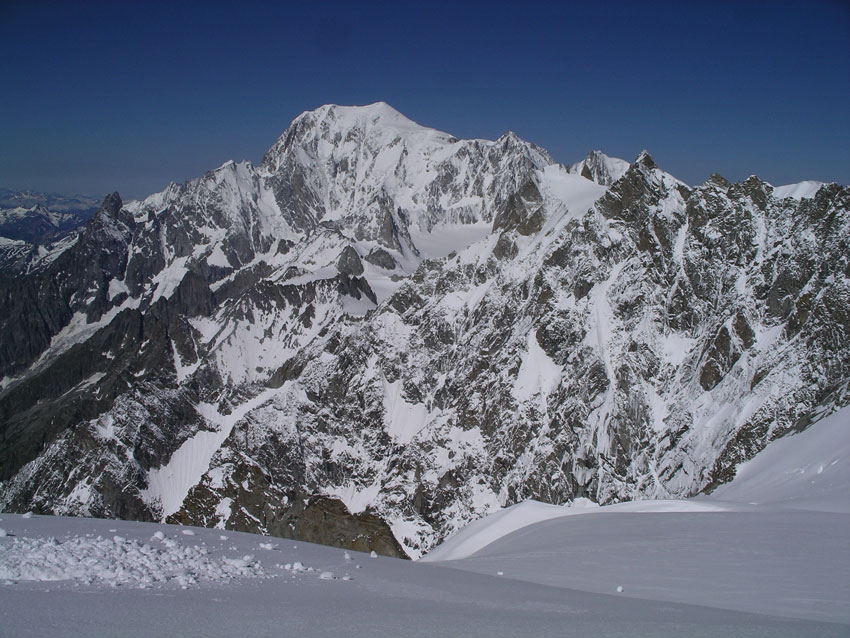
<point>96,96</point>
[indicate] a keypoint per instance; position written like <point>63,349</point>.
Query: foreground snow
<point>71,583</point>
<point>809,471</point>
<point>773,541</point>
<point>765,555</point>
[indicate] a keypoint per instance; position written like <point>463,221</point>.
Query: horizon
<point>735,88</point>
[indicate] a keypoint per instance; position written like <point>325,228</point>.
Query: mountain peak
<point>719,181</point>
<point>509,135</point>
<point>112,203</point>
<point>645,159</point>
<point>376,114</point>
<point>600,168</point>
<point>801,190</point>
<point>335,123</point>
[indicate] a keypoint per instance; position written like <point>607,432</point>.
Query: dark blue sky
<point>103,96</point>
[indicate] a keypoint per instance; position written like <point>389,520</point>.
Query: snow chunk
<point>116,562</point>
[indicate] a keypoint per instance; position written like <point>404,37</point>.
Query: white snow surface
<point>606,170</point>
<point>144,579</point>
<point>809,470</point>
<point>773,541</point>
<point>538,374</point>
<point>404,420</point>
<point>801,190</point>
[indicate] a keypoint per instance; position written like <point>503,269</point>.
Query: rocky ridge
<point>383,332</point>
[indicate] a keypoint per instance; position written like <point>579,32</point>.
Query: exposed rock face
<point>220,353</point>
<point>349,262</point>
<point>381,258</point>
<point>327,521</point>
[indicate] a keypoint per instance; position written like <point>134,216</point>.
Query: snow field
<point>773,541</point>
<point>307,589</point>
<point>805,471</point>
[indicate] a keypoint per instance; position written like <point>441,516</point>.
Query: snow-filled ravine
<point>766,555</point>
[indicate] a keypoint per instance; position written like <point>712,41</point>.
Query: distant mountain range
<point>29,221</point>
<point>382,332</point>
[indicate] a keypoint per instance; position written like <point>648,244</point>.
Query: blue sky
<point>129,96</point>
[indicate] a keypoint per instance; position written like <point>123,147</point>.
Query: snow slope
<point>801,190</point>
<point>600,168</point>
<point>809,470</point>
<point>772,541</point>
<point>765,555</point>
<point>95,577</point>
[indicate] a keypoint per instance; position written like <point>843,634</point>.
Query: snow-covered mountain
<point>600,168</point>
<point>34,225</point>
<point>63,204</point>
<point>383,332</point>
